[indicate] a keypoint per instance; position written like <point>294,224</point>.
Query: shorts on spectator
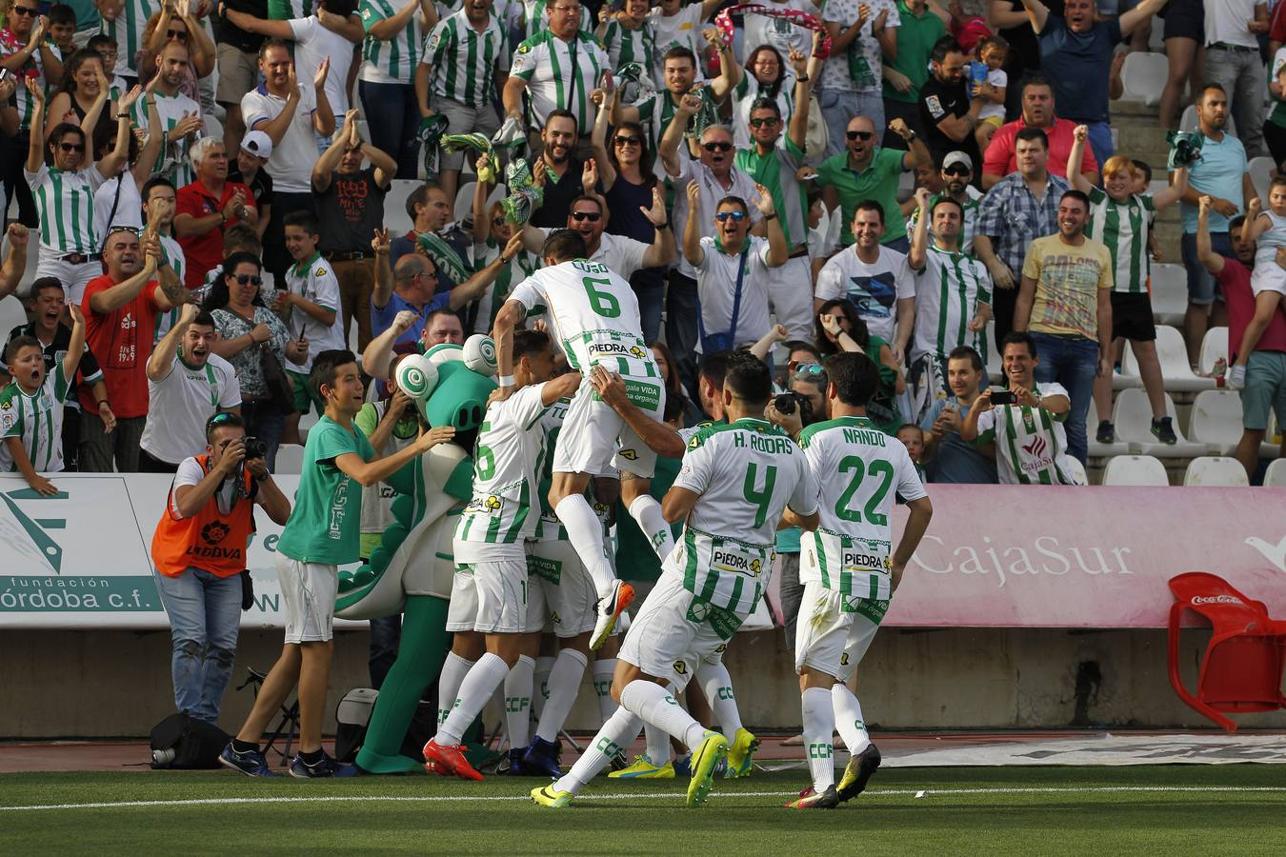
<point>1268,278</point>
<point>1265,389</point>
<point>308,599</point>
<point>1185,19</point>
<point>1132,317</point>
<point>463,119</point>
<point>489,597</point>
<point>305,396</point>
<point>238,74</point>
<point>993,121</point>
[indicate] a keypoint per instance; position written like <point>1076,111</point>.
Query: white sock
<point>819,724</point>
<point>483,679</point>
<point>585,532</point>
<point>848,719</point>
<point>647,512</point>
<point>540,684</point>
<point>603,671</point>
<point>658,744</point>
<point>716,684</point>
<point>564,684</point>
<point>518,692</point>
<point>454,669</point>
<point>654,704</point>
<point>619,731</point>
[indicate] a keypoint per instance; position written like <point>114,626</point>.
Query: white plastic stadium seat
<point>1102,450</point>
<point>1215,470</point>
<point>1275,475</point>
<point>1169,293</point>
<point>1144,76</point>
<point>213,127</point>
<point>1135,470</point>
<point>12,314</point>
<point>464,201</point>
<point>290,458</point>
<point>1123,378</point>
<point>396,220</point>
<point>1261,171</point>
<point>1216,420</point>
<point>1214,346</point>
<point>1188,121</point>
<point>1133,418</point>
<point>1175,371</point>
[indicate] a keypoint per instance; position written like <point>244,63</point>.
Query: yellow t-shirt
<point>1067,283</point>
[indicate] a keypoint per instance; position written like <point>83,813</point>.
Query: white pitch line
<point>1018,790</point>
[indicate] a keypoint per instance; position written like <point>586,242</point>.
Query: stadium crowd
<point>207,185</point>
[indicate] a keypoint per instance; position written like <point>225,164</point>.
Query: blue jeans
<point>1072,362</point>
<point>1101,142</point>
<point>394,120</point>
<point>265,421</point>
<point>682,307</point>
<point>1202,286</point>
<point>205,616</point>
<point>839,106</point>
<point>649,288</point>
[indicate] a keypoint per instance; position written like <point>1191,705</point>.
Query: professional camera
<point>255,448</point>
<point>785,403</point>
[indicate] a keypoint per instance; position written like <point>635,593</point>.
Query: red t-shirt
<point>122,342</point>
<point>999,159</point>
<point>1240,301</point>
<point>202,253</point>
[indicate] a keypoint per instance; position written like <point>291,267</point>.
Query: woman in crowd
<point>770,76</point>
<point>839,328</point>
<point>246,327</point>
<point>83,97</point>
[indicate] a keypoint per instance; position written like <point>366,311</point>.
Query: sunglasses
<point>24,10</point>
<point>218,420</point>
<point>627,141</point>
<point>764,121</point>
<point>956,170</point>
<point>72,147</point>
<point>860,135</point>
<point>181,35</point>
<point>735,216</point>
<point>591,216</point>
<point>809,371</point>
<point>252,279</point>
<point>717,147</point>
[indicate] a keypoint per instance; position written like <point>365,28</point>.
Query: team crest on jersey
<point>524,48</point>
<point>694,442</point>
<point>320,272</point>
<point>755,565</point>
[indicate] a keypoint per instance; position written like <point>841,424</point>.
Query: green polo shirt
<point>776,171</point>
<point>916,36</point>
<point>879,182</point>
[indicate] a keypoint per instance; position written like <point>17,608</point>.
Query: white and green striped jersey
<point>656,112</point>
<point>747,92</point>
<point>172,255</point>
<point>1031,445</point>
<point>391,61</point>
<point>596,315</point>
<point>498,518</point>
<point>464,61</point>
<point>518,269</point>
<point>65,204</point>
<point>746,474</point>
<point>36,418</point>
<point>560,75</point>
<point>126,29</point>
<point>174,162</point>
<point>1123,227</point>
<point>314,280</point>
<point>22,98</point>
<point>535,17</point>
<point>860,472</point>
<point>549,528</point>
<point>973,198</point>
<point>624,45</point>
<point>948,291</point>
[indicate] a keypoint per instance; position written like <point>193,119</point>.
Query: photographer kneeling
<point>200,551</point>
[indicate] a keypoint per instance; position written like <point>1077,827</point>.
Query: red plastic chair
<point>1242,668</point>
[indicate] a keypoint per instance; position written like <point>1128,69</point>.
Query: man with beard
<point>180,116</point>
<point>717,177</point>
<point>1000,159</point>
<point>869,171</point>
<point>871,275</point>
<point>655,113</point>
<point>289,112</point>
<point>622,255</point>
<point>949,459</point>
<point>186,386</point>
<point>953,181</point>
<point>562,175</point>
<point>947,113</point>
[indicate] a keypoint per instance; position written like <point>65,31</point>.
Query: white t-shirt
<point>179,405</point>
<point>873,288</point>
<point>129,208</point>
<point>778,32</point>
<point>995,77</point>
<point>622,255</point>
<point>190,473</point>
<point>680,30</point>
<point>499,517</point>
<point>1228,21</point>
<point>717,286</point>
<point>712,190</point>
<point>291,164</point>
<point>315,281</point>
<point>595,313</point>
<point>313,42</point>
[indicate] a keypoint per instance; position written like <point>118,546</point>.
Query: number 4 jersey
<point>860,471</point>
<point>747,473</point>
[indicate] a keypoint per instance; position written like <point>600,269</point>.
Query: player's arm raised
<point>502,332</point>
<point>559,388</point>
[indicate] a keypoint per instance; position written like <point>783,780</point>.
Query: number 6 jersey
<point>860,471</point>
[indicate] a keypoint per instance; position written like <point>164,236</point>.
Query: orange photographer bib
<point>209,540</point>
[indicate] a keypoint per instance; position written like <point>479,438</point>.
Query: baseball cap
<point>259,143</point>
<point>950,160</point>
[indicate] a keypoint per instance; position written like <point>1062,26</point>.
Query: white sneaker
<point>608,611</point>
<point>1236,378</point>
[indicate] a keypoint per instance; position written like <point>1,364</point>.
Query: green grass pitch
<point>1102,812</point>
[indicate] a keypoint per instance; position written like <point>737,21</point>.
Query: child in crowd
<point>31,406</point>
<point>992,52</point>
<point>1268,281</point>
<point>62,28</point>
<point>912,437</point>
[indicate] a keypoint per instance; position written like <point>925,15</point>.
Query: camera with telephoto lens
<point>785,403</point>
<point>255,448</point>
